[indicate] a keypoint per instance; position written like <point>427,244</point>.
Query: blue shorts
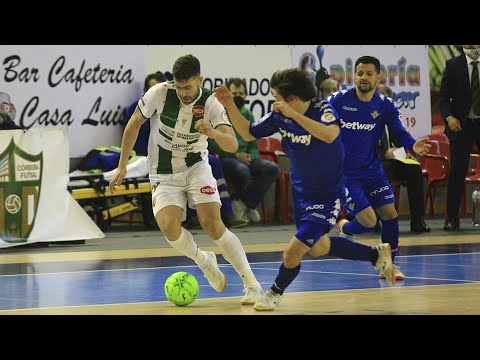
<point>318,212</point>
<point>373,190</point>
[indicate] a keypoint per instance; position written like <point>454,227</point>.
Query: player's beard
<point>187,100</point>
<point>366,87</point>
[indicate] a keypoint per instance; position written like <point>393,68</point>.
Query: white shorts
<point>196,184</point>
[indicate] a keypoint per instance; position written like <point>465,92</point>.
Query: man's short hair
<point>186,67</point>
<point>237,82</point>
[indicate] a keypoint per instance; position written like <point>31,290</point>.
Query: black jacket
<point>455,97</point>
<point>8,124</point>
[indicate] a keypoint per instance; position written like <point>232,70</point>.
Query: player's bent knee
<point>321,247</point>
<point>291,259</point>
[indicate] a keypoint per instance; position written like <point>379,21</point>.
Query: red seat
<point>437,119</point>
<point>438,129</point>
<point>472,178</point>
<point>271,148</point>
<point>436,166</point>
<point>438,169</point>
<point>440,136</point>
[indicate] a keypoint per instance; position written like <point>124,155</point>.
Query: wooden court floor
<point>124,274</point>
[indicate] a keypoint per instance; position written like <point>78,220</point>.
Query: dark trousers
<point>250,182</point>
<point>460,149</point>
<point>412,175</point>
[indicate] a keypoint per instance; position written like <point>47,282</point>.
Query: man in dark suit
<point>459,101</point>
<point>411,174</point>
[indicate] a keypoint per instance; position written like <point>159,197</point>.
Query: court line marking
<point>252,265</point>
<point>216,298</point>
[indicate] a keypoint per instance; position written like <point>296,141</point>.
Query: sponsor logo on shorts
<point>207,190</point>
<point>378,191</point>
<point>315,207</point>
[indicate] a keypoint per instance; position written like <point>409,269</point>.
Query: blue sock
<point>390,234</point>
<point>346,249</point>
<point>284,278</point>
<point>354,228</point>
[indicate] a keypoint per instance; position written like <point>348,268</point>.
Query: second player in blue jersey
<point>364,114</point>
<point>310,134</point>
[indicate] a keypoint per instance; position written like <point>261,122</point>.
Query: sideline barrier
<point>35,205</point>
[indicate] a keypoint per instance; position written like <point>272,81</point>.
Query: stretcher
<point>132,196</point>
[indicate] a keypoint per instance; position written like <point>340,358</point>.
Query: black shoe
<point>419,226</point>
<point>452,224</point>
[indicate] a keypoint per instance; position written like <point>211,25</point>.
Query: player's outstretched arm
<point>129,137</point>
<point>223,135</point>
<point>422,146</point>
<point>241,124</point>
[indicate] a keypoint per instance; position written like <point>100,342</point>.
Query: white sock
<point>234,253</point>
<point>187,247</point>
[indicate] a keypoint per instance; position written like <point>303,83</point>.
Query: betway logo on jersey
<point>297,139</point>
<point>357,126</point>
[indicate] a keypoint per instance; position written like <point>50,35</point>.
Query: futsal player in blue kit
<point>311,138</point>
<point>364,113</point>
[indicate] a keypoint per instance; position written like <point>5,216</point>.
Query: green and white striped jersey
<point>174,144</point>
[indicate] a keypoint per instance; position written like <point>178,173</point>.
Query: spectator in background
<point>6,123</point>
<point>327,87</point>
<point>325,84</point>
<point>410,173</point>
<point>250,175</point>
<point>141,145</point>
<point>7,113</point>
<point>459,101</point>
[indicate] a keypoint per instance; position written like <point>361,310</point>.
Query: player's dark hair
<point>368,60</point>
<point>186,67</point>
<point>237,82</point>
<point>159,76</point>
<point>293,81</point>
<point>321,75</point>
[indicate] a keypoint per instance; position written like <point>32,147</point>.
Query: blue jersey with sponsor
<point>362,126</point>
<point>316,166</point>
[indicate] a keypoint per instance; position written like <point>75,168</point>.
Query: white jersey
<point>174,144</point>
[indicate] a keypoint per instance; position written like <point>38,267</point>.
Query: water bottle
<point>476,207</point>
